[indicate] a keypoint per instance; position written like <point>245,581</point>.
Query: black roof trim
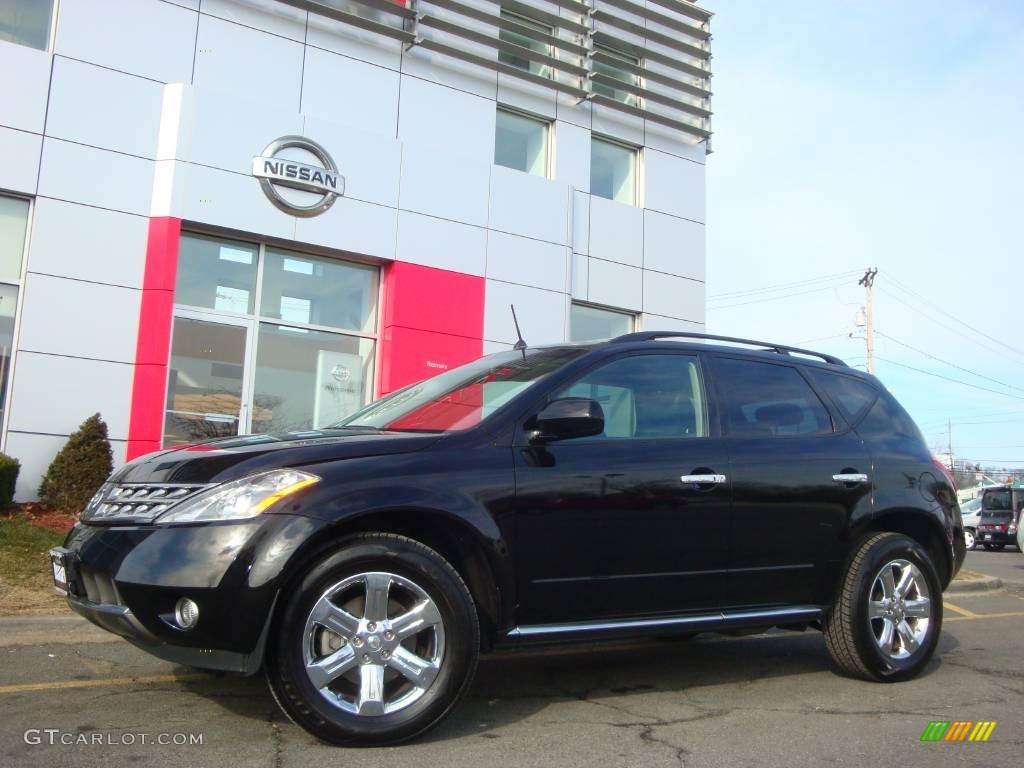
<point>780,349</point>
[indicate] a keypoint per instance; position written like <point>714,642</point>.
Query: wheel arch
<point>448,535</point>
<point>922,528</point>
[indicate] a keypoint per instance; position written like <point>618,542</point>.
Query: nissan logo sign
<point>274,171</point>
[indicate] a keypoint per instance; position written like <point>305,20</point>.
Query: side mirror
<point>567,418</point>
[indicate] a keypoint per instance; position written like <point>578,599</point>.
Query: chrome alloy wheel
<point>374,643</point>
<point>969,538</point>
<point>899,609</point>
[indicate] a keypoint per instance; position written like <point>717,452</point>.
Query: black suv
<point>644,486</point>
<point>1000,515</point>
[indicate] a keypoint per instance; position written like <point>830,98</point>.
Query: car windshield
<point>463,397</point>
<point>970,507</point>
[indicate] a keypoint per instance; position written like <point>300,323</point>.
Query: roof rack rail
<point>780,349</point>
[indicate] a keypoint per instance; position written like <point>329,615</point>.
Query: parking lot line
<point>957,609</point>
<point>106,681</point>
<point>977,616</point>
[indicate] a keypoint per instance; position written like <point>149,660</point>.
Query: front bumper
<point>128,579</point>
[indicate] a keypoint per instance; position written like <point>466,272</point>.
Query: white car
<point>1020,537</point>
<point>971,511</point>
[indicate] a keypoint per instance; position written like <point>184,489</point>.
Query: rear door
<point>796,480</point>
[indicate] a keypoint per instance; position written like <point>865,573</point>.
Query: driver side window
<point>646,396</point>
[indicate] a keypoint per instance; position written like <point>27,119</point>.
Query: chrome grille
<point>138,502</point>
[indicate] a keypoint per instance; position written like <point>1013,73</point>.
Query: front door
<point>790,501</point>
<point>617,525</point>
<point>207,383</point>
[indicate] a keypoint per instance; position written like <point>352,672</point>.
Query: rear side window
<point>765,400</point>
<point>888,419</point>
<point>852,396</point>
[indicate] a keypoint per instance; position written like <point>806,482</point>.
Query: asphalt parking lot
<point>762,700</point>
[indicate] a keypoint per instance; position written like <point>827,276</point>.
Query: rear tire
<point>995,547</point>
<point>969,541</point>
<point>886,619</point>
<point>376,644</point>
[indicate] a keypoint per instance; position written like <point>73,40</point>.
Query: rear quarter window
<point>887,419</point>
<point>852,396</point>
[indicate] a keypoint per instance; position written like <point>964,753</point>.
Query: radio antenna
<point>520,345</point>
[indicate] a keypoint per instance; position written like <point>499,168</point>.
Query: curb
<point>968,586</point>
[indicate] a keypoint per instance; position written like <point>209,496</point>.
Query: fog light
<point>186,613</point>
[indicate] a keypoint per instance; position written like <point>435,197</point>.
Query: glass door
<point>207,383</point>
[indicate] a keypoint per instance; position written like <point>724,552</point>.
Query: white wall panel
<point>615,285</point>
<point>95,177</point>
<point>570,109</point>
<point>55,394</point>
<point>143,37</point>
<point>248,64</point>
<point>215,130</point>
<point>441,184</point>
<point>370,162</point>
<point>541,313</point>
<point>535,99</point>
<point>616,231</point>
<point>572,155</point>
<point>528,205</point>
<point>490,347</point>
<point>78,241</point>
<point>581,222</point>
<point>212,196</point>
<point>350,92</point>
<point>103,108</point>
<point>673,185</point>
<point>665,139</point>
<point>673,296</point>
<point>23,97</point>
<point>526,261</point>
<point>105,319</point>
<point>351,225</point>
<point>442,244</point>
<point>35,452</point>
<point>580,276</point>
<point>649,322</point>
<point>266,15</point>
<point>353,42</point>
<point>438,68</point>
<point>439,116</point>
<point>672,245</point>
<point>617,125</point>
<point>19,160</point>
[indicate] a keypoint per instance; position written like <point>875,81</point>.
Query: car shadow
<point>513,685</point>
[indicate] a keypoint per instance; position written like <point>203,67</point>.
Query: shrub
<point>9,469</point>
<point>79,468</point>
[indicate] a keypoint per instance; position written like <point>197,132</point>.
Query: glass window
<point>647,396</point>
<point>216,274</point>
<point>308,379</point>
<point>13,221</point>
<point>462,397</point>
<point>613,171</point>
<point>591,324</point>
<point>887,418</point>
<point>606,63</point>
<point>852,396</point>
<point>762,399</point>
<point>517,32</point>
<point>26,22</point>
<point>317,291</point>
<point>521,142</point>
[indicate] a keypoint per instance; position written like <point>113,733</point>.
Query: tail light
<point>945,472</point>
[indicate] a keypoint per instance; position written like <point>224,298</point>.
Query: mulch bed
<point>41,515</point>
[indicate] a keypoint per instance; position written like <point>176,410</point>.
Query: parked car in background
<point>1000,517</point>
<point>640,487</point>
<point>970,513</point>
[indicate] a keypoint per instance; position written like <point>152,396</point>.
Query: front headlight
<point>242,498</point>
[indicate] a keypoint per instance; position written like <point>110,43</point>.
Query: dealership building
<point>225,217</point>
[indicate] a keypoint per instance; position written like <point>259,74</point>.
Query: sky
<point>885,134</point>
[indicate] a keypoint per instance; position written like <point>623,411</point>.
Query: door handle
<point>703,479</point>
<point>850,477</point>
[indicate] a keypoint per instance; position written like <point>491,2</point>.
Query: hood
<point>219,461</point>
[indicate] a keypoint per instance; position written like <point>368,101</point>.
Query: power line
<point>951,365</point>
<point>776,298</point>
<point>946,312</point>
<point>781,286</point>
<point>947,378</point>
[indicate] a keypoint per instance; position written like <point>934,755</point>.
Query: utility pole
<point>868,281</point>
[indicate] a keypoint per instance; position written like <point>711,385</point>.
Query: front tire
<point>377,643</point>
<point>969,540</point>
<point>886,619</point>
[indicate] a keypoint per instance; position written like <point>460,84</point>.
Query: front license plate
<point>60,572</point>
